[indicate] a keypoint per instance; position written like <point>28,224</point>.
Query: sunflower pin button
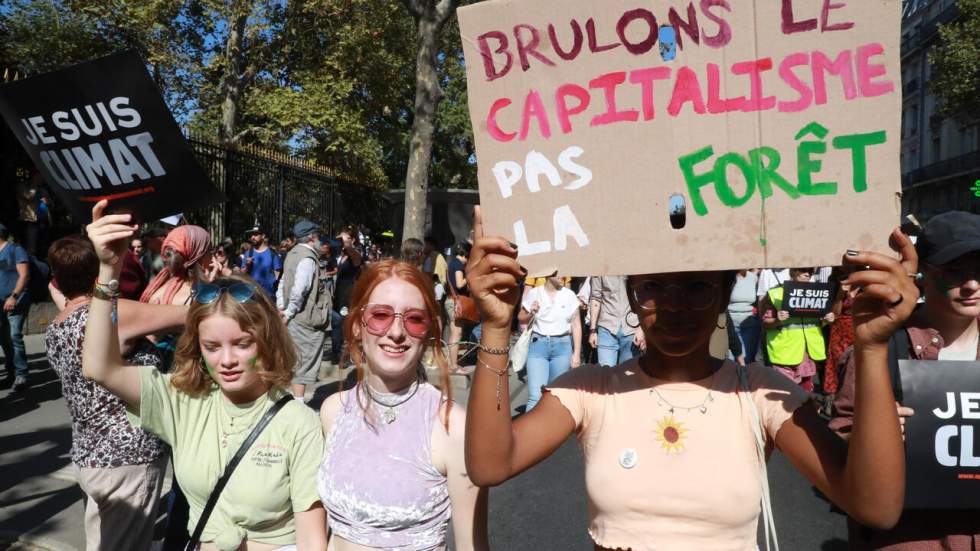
<point>628,458</point>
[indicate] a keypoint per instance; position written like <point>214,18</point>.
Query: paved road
<point>542,510</point>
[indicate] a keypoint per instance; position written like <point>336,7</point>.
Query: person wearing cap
<point>261,262</point>
<point>16,302</point>
<point>305,303</point>
<point>944,328</point>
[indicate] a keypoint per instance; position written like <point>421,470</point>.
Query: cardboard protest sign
<point>777,122</point>
<point>942,439</point>
<point>100,130</point>
<point>808,300</point>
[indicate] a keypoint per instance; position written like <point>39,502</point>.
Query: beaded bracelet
<point>504,351</point>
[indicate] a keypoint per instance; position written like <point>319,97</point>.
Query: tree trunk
<point>234,63</point>
<point>427,97</point>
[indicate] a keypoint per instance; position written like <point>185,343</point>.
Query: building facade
<point>940,157</point>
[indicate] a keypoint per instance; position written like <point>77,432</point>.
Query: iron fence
<point>273,191</point>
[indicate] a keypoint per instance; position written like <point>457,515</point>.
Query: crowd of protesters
<point>172,348</point>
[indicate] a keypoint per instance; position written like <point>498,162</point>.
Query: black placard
<point>101,130</point>
<point>808,299</point>
<point>942,439</point>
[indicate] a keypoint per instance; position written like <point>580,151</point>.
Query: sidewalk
<point>41,505</point>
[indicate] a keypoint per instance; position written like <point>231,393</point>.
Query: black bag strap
<point>898,349</point>
<point>213,498</point>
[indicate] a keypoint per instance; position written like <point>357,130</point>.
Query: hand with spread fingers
<point>887,293</point>
<point>110,234</point>
<point>493,276</point>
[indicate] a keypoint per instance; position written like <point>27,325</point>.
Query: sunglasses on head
<point>206,293</point>
<point>378,318</point>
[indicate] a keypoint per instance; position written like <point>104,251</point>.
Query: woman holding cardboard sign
<point>652,428</point>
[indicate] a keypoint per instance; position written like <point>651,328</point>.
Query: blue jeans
<point>547,358</point>
<point>336,335</point>
<point>12,339</point>
<point>748,328</point>
<point>614,349</point>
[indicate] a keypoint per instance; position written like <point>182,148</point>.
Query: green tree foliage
<point>956,64</point>
<point>327,80</point>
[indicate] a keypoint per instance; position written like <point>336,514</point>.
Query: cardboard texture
<point>942,439</point>
<point>101,130</point>
<point>585,115</point>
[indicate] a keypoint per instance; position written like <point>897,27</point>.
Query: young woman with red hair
<point>393,471</point>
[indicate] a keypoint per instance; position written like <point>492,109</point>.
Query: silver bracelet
<point>496,351</point>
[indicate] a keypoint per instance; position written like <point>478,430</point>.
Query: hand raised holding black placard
<point>100,130</point>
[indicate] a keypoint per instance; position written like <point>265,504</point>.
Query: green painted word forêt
<point>760,168</point>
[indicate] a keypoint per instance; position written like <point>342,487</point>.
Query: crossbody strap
<point>213,499</point>
<point>745,390</point>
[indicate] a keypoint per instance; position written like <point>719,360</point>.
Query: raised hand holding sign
<point>100,131</point>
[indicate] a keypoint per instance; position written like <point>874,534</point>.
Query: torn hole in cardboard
<point>677,211</point>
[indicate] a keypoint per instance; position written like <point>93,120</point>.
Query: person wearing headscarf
<point>187,253</point>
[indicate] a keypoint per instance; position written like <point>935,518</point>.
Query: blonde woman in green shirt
<point>231,365</point>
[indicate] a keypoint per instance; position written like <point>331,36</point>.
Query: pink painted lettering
<point>576,41</point>
<point>533,107</point>
<point>564,111</point>
<point>724,34</point>
<point>789,77</point>
<point>489,67</point>
<point>790,25</point>
<point>825,25</point>
<point>686,89</point>
<point>715,103</point>
<point>645,78</point>
<point>841,67</point>
<point>594,46</point>
<point>492,127</point>
<point>756,102</point>
<point>608,83</point>
<point>690,26</point>
<point>868,72</point>
<point>649,23</point>
<point>529,47</point>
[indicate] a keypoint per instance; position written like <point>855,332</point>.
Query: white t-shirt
<point>967,354</point>
<point>555,313</point>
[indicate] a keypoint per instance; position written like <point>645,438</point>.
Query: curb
<point>28,542</point>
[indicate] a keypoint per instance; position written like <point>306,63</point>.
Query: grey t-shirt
<point>743,294</point>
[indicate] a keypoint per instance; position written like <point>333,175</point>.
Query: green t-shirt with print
<point>276,478</point>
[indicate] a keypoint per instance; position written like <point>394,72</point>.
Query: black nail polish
<point>512,246</point>
<point>851,252</point>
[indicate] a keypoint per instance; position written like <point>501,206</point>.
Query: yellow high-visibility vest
<point>785,344</point>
